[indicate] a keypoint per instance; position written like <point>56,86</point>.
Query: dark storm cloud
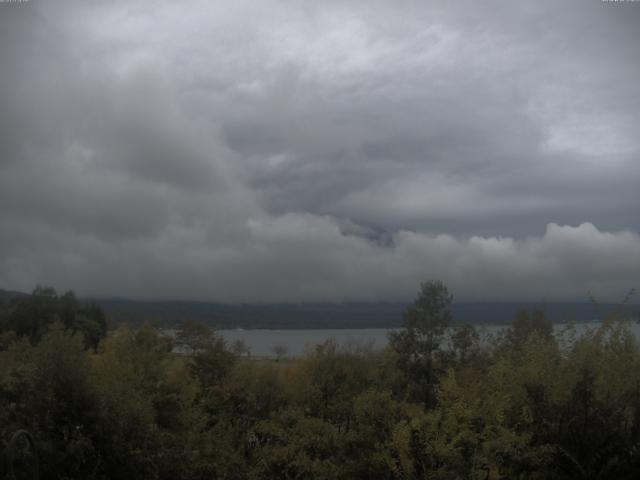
<point>463,101</point>
<point>299,151</point>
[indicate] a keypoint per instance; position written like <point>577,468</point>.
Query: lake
<point>296,342</point>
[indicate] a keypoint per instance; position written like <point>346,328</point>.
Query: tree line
<point>437,403</point>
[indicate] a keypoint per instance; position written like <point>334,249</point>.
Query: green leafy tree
<point>31,316</point>
<point>464,340</point>
<point>415,345</point>
<point>193,336</point>
<point>527,323</point>
<point>328,379</point>
<point>48,389</point>
<point>211,364</point>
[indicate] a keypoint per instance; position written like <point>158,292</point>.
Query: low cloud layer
<point>339,151</point>
<point>304,257</point>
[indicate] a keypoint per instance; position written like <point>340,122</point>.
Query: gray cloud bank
<point>287,151</point>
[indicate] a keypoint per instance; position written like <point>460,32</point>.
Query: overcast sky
<point>304,151</point>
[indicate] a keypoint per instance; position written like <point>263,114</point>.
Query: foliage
<point>415,346</point>
<point>31,316</point>
<point>531,405</point>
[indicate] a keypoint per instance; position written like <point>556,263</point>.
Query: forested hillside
<point>334,315</point>
<point>309,315</point>
<point>122,405</point>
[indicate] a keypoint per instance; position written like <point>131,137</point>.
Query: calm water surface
<point>296,342</point>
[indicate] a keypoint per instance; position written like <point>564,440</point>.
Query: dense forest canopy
<point>123,404</point>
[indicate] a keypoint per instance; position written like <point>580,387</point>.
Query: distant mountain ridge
<point>320,315</point>
<point>334,315</point>
<point>6,295</point>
